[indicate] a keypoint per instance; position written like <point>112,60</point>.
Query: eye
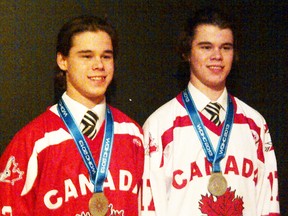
<point>87,56</point>
<point>206,47</point>
<point>107,56</point>
<point>227,47</point>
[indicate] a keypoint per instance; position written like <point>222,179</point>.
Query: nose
<point>216,55</point>
<point>97,64</point>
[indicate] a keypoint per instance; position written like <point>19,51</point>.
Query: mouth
<point>215,67</point>
<point>97,78</point>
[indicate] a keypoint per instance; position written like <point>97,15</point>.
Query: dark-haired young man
<point>210,153</point>
<point>82,156</point>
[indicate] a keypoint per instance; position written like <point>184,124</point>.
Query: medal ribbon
<point>212,156</point>
<point>97,178</point>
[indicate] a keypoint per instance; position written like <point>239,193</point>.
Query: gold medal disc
<point>98,204</point>
<point>217,184</point>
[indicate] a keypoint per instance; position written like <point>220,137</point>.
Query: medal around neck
<point>217,184</point>
<point>98,204</point>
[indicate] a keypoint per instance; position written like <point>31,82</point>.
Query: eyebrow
<point>90,51</point>
<point>209,43</point>
<point>204,43</point>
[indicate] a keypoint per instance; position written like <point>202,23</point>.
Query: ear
<point>62,61</point>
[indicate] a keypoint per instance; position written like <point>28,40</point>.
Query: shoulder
<point>245,110</point>
<point>44,121</point>
<point>36,130</point>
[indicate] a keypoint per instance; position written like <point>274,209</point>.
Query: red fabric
<point>62,185</point>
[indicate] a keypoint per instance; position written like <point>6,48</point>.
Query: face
<point>89,67</point>
<point>211,58</point>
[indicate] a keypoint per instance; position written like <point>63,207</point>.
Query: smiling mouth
<point>216,67</point>
<point>97,78</point>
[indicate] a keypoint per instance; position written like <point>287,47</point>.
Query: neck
<point>212,93</point>
<point>86,101</point>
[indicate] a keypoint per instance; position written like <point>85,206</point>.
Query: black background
<point>147,68</point>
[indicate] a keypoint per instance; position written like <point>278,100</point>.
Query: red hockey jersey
<point>42,172</point>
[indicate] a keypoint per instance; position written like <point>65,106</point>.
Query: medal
<point>98,204</point>
<point>217,184</point>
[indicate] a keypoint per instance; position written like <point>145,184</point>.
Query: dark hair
<point>210,16</point>
<point>84,24</point>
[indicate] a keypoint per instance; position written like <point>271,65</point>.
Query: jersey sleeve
<point>13,172</point>
<point>154,188</point>
<point>268,184</point>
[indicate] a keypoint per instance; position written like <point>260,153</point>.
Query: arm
<point>154,182</point>
<point>268,186</point>
<point>13,170</point>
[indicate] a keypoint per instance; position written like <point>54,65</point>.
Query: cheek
<point>229,56</point>
<point>75,73</point>
<point>74,66</point>
<point>229,60</point>
<point>197,62</point>
<point>109,68</point>
<point>198,58</point>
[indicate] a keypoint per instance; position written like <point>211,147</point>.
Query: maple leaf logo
<point>225,205</point>
<point>152,146</point>
<point>11,173</point>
